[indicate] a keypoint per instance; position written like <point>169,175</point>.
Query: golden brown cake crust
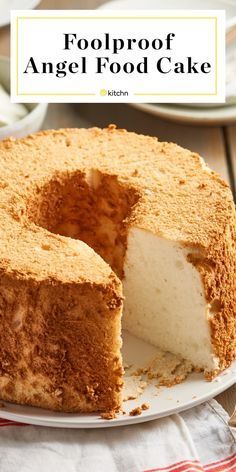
<point>172,182</point>
<point>60,345</point>
<point>174,196</point>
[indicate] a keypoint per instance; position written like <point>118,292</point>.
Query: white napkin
<point>196,440</point>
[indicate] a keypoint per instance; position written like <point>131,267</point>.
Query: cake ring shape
<point>95,222</point>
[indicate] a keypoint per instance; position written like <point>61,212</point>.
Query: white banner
<point>118,56</point>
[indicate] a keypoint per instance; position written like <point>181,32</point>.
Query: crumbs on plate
<point>139,409</point>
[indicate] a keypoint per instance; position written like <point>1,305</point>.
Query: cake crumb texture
<point>136,411</point>
<point>109,415</point>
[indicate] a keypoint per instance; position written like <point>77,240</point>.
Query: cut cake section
<point>165,304</point>
<point>60,327</point>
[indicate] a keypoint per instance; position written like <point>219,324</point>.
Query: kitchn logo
<point>113,93</point>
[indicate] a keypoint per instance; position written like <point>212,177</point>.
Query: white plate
<point>174,112</point>
<point>163,402</point>
<point>195,115</point>
<point>7,5</point>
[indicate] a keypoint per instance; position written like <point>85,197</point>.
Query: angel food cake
<point>99,223</point>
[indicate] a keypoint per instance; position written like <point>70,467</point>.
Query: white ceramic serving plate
<point>222,115</point>
<point>163,401</point>
<point>7,5</point>
<point>31,122</point>
<point>191,114</point>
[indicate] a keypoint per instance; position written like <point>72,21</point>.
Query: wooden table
<point>216,144</point>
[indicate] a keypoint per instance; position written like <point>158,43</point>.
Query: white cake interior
<point>165,303</point>
<point>164,299</point>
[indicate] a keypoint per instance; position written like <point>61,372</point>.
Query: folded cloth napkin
<point>195,440</point>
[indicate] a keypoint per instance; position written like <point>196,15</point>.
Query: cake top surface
<point>178,197</point>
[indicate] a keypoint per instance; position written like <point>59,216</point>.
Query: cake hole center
<point>92,207</point>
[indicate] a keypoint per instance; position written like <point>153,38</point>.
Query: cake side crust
<point>218,272</point>
<point>60,345</point>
